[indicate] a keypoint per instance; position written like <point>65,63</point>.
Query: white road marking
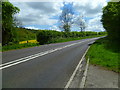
<point>82,84</point>
<point>73,75</point>
<point>18,61</point>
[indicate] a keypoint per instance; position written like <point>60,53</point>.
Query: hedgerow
<point>47,36</point>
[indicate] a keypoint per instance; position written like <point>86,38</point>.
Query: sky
<point>44,14</point>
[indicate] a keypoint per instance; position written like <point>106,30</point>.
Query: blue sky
<point>36,14</point>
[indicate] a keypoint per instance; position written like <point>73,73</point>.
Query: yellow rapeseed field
<point>29,41</point>
<point>32,41</point>
<point>22,42</point>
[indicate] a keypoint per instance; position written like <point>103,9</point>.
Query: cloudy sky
<point>36,14</point>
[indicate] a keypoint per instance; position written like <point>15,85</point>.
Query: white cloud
<point>95,25</point>
<point>55,28</point>
<point>39,13</point>
<point>90,8</point>
<point>32,27</point>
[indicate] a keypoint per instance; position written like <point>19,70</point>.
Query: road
<point>51,69</point>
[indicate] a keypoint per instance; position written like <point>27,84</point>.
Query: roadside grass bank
<point>18,46</point>
<point>104,53</point>
<point>58,40</point>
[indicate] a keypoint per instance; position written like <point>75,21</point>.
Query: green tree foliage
<point>111,19</point>
<point>66,28</point>
<point>44,36</point>
<point>8,30</point>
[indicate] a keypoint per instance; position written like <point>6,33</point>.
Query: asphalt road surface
<point>50,69</point>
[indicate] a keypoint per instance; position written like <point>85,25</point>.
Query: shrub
<point>44,36</point>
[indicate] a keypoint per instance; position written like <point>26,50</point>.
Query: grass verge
<point>59,40</point>
<point>101,55</point>
<point>18,46</point>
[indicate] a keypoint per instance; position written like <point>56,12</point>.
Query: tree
<point>8,30</point>
<point>66,17</point>
<point>110,20</point>
<point>80,22</point>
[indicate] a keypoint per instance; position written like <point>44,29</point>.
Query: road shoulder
<point>98,77</point>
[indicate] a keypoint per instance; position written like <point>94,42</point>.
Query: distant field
<point>100,55</point>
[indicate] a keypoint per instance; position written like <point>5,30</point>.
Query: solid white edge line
<point>82,84</point>
<point>71,78</point>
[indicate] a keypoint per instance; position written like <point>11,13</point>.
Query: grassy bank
<point>104,54</point>
<point>19,46</point>
<point>26,45</point>
<point>59,40</point>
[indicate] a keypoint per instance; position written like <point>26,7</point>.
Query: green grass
<point>18,46</point>
<point>101,55</point>
<point>59,40</point>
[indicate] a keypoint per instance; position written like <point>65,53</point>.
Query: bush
<point>44,36</point>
